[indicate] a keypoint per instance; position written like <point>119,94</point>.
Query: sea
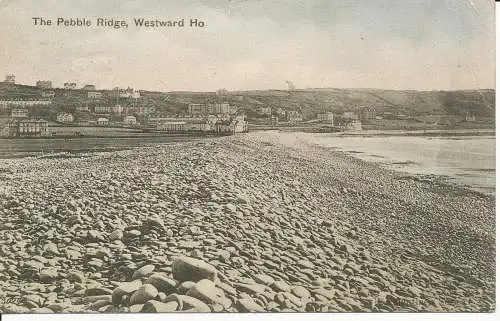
<point>467,160</point>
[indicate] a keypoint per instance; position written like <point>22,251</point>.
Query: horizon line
<point>264,89</point>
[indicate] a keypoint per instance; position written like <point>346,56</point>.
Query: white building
<point>328,116</point>
<point>82,108</point>
<point>94,94</point>
<point>102,121</point>
<point>70,85</point>
<point>33,127</point>
<point>293,116</point>
<point>128,93</point>
<point>19,113</point>
<point>265,110</point>
<point>65,118</point>
<point>11,79</point>
<point>23,103</point>
<point>116,110</point>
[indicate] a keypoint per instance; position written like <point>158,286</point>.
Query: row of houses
<point>25,128</point>
<point>223,124</point>
<point>211,109</point>
<point>5,104</point>
<point>65,117</point>
<point>127,120</point>
<point>118,110</point>
<point>365,113</point>
<point>292,116</point>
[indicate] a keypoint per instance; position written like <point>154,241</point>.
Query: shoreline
<point>300,214</point>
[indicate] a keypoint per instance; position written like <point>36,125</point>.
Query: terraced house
<point>33,127</point>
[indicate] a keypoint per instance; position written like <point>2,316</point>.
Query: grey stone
<point>248,305</point>
<point>143,294</point>
<point>185,286</point>
<point>48,275</point>
<point>162,282</point>
<point>123,289</point>
<point>301,292</point>
<point>263,279</point>
<point>206,291</point>
<point>143,272</point>
<point>189,269</point>
<point>160,307</point>
<point>280,286</point>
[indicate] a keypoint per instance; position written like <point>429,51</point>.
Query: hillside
<point>309,101</point>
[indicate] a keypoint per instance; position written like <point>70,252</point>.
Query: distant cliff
<point>310,102</point>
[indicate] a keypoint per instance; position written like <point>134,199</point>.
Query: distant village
<point>211,117</point>
<point>47,108</point>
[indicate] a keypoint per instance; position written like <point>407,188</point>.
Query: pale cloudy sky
<point>255,44</point>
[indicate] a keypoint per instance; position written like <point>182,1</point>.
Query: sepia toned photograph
<point>247,156</point>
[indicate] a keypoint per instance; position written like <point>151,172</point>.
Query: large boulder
<point>124,288</point>
<point>189,304</point>
<point>143,271</point>
<point>144,294</point>
<point>206,291</point>
<point>162,282</point>
<point>189,269</point>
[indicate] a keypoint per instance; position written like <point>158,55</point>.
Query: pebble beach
<point>258,222</point>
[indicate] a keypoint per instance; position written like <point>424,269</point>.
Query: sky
<point>254,44</point>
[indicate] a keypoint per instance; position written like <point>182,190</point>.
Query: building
<point>102,121</point>
<point>266,110</point>
<point>33,127</point>
<point>88,87</point>
<point>8,127</point>
<point>281,112</point>
<point>325,117</point>
<point>4,104</point>
<point>139,110</point>
<point>293,116</point>
<point>82,108</point>
<point>48,94</point>
<point>274,120</point>
<point>136,94</point>
<point>220,108</point>
<point>173,126</point>
<point>368,113</point>
<point>240,124</point>
<point>70,85</point>
<point>130,120</point>
<point>230,126</point>
<point>182,124</point>
<point>115,110</point>
<point>470,116</point>
<point>94,94</point>
<point>65,118</point>
<point>199,126</point>
<point>127,93</point>
<point>354,125</point>
<point>350,115</point>
<point>197,109</point>
<point>10,79</point>
<point>19,113</point>
<point>45,84</point>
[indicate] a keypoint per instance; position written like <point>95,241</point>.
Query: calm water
<point>467,160</point>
